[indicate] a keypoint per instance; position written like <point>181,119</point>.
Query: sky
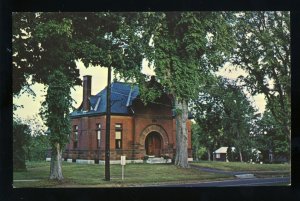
<point>31,105</point>
<point>231,72</point>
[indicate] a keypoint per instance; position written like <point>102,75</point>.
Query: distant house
<point>136,130</point>
<point>276,158</point>
<point>221,154</point>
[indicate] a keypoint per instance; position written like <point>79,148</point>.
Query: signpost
<point>123,163</point>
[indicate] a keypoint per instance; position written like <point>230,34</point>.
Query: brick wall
<point>157,117</point>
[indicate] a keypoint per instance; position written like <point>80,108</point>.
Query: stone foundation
<point>113,162</point>
<point>83,161</point>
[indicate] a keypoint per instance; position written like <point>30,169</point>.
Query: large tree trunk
<point>56,160</point>
<point>181,159</point>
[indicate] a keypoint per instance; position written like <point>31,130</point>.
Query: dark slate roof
<point>122,95</point>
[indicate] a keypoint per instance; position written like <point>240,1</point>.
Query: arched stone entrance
<point>154,139</point>
<point>153,144</point>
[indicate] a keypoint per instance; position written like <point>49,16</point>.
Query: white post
<point>123,163</point>
<point>122,172</point>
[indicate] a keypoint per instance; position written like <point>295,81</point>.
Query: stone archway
<point>157,129</point>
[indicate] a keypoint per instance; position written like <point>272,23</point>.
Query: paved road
<point>236,182</point>
<point>218,170</point>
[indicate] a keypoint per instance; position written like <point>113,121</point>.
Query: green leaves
<point>21,137</point>
<point>42,42</point>
<point>55,110</point>
<point>272,136</point>
<point>224,114</point>
<point>54,29</point>
<point>186,48</point>
<point>263,50</point>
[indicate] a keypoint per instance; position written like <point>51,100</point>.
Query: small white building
<point>221,154</point>
<point>256,154</point>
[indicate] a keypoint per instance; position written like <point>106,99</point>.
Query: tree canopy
<point>44,52</point>
<point>181,46</point>
<point>41,43</point>
<point>21,136</point>
<point>55,112</point>
<point>263,51</point>
<point>185,47</point>
<point>224,114</point>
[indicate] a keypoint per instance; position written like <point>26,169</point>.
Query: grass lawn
<point>260,170</point>
<point>238,166</point>
<point>92,175</point>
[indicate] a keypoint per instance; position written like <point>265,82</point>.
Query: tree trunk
<point>196,153</point>
<point>241,156</point>
<point>181,159</point>
<point>56,163</point>
<point>208,155</point>
<point>290,141</point>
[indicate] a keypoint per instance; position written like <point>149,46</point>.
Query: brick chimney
<point>87,81</point>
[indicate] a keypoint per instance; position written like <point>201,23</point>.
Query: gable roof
<point>122,95</point>
<point>223,150</point>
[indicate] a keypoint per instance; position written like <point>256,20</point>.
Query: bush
<point>21,135</point>
<point>145,158</point>
<point>37,149</point>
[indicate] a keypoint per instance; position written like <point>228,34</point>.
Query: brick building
<point>136,130</point>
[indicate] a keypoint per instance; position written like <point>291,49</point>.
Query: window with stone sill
<point>118,136</point>
<point>75,140</point>
<point>98,134</point>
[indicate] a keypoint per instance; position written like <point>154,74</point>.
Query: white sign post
<point>123,163</point>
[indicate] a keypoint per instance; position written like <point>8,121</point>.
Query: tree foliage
<point>184,48</point>
<point>55,112</point>
<point>271,137</point>
<point>38,143</point>
<point>56,107</point>
<point>41,43</point>
<point>225,115</point>
<point>203,141</point>
<point>21,137</point>
<point>181,46</point>
<point>44,52</point>
<point>263,51</point>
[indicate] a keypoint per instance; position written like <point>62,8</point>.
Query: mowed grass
<point>92,175</point>
<point>238,166</point>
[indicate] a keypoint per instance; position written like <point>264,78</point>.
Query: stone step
<point>155,160</point>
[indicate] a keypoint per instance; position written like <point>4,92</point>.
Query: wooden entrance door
<point>153,144</point>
